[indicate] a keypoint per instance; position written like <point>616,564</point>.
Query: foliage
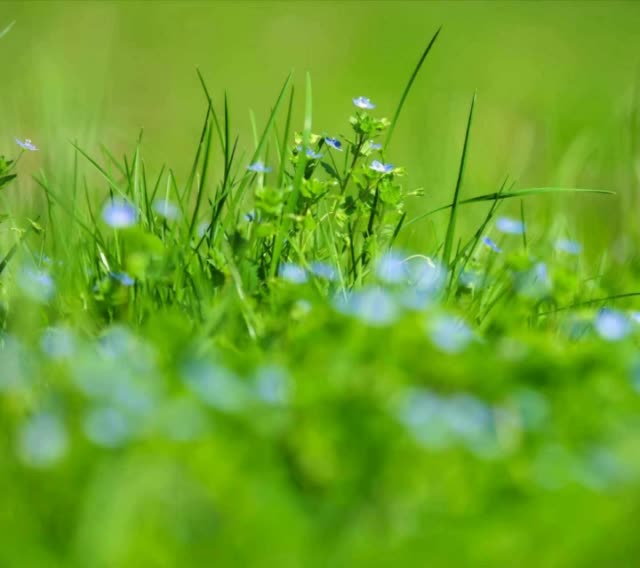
<point>242,371</point>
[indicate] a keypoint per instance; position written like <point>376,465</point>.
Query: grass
<point>250,371</point>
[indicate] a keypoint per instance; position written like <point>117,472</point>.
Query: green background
<point>555,83</point>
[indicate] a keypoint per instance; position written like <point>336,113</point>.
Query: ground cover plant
<point>262,368</point>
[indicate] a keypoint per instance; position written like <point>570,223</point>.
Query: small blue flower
<point>250,216</point>
<point>123,278</point>
<point>323,270</point>
<point>611,325</point>
<point>292,273</point>
<point>364,103</point>
<point>568,246</point>
<point>42,441</point>
<point>333,143</point>
<point>259,168</point>
<point>26,144</point>
<point>450,334</point>
<point>37,284</point>
<point>107,426</point>
<point>510,226</point>
<point>493,246</point>
<point>313,155</point>
<point>166,209</point>
<point>391,269</point>
<point>373,306</point>
<point>375,146</point>
<point>272,385</point>
<point>58,342</point>
<point>119,213</point>
<point>215,385</point>
<point>378,166</point>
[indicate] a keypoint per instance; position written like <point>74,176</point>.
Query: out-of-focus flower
<point>26,144</point>
<point>259,168</point>
<point>510,226</point>
<point>378,166</point>
<point>364,103</point>
<point>119,213</point>
<point>492,245</point>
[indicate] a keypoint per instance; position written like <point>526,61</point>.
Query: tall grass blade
<point>451,227</point>
<point>297,182</point>
<point>405,93</point>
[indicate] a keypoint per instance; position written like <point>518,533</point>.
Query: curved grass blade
<point>590,302</point>
<point>7,29</point>
<point>409,85</point>
<point>451,227</point>
<point>102,171</point>
<point>12,251</point>
<point>509,195</point>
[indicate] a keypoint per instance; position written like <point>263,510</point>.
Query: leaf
<point>512,194</point>
<point>4,180</point>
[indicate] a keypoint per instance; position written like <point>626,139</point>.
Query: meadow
<point>367,321</point>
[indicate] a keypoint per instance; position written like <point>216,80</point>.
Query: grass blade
<point>256,154</point>
<point>451,227</point>
<point>7,29</point>
<point>405,94</point>
<point>511,194</point>
<point>285,138</point>
<point>203,178</point>
<point>297,182</point>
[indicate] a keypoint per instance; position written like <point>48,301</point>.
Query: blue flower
<point>493,246</point>
<point>42,441</point>
<point>510,226</point>
<point>26,145</point>
<point>333,143</point>
<point>378,166</point>
<point>107,426</point>
<point>323,270</point>
<point>123,278</point>
<point>391,269</point>
<point>364,103</point>
<point>373,306</point>
<point>611,325</point>
<point>259,168</point>
<point>375,146</point>
<point>58,342</point>
<point>313,155</point>
<point>450,334</point>
<point>541,272</point>
<point>119,213</point>
<point>37,284</point>
<point>166,209</point>
<point>292,273</point>
<point>568,246</point>
<point>215,385</point>
<point>250,216</point>
<point>272,385</point>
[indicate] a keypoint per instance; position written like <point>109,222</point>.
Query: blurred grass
<point>555,82</point>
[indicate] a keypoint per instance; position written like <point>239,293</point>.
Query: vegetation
<point>261,369</point>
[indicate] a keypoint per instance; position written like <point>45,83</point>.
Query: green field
<point>319,284</point>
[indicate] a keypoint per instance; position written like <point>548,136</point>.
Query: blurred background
<point>556,84</point>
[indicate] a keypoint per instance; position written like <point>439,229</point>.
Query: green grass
<point>265,367</point>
